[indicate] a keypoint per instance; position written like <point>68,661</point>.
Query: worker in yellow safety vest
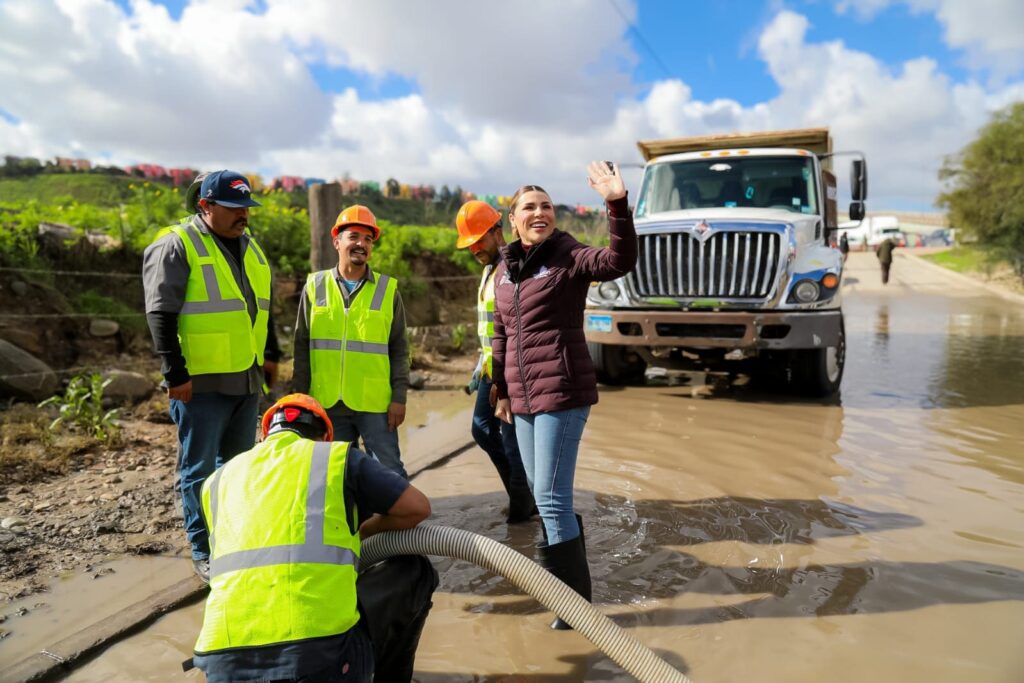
<point>207,286</point>
<point>286,519</point>
<point>479,228</point>
<point>351,351</point>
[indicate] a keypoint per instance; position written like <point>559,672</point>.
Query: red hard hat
<point>475,219</point>
<point>356,214</point>
<point>298,402</point>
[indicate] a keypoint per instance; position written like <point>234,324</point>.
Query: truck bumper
<point>715,329</point>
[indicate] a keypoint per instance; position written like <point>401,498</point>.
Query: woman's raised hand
<point>606,181</point>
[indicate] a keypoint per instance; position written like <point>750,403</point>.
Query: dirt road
<point>752,536</point>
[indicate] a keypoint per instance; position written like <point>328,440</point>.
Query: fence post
<point>324,206</point>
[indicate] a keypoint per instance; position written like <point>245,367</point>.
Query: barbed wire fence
<point>417,331</point>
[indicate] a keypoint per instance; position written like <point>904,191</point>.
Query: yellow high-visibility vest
<point>214,328</point>
<point>348,348</point>
<point>282,557</point>
<point>485,317</point>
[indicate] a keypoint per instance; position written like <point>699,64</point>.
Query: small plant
<point>458,336</point>
<point>81,406</point>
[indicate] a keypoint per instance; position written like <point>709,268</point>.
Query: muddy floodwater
<point>747,535</point>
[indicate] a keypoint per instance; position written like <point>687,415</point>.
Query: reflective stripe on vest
<point>485,317</point>
<point>216,333</point>
<point>283,559</point>
<point>348,348</point>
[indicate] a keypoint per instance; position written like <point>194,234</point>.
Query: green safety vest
<point>485,317</point>
<point>282,556</point>
<point>214,328</point>
<point>348,347</point>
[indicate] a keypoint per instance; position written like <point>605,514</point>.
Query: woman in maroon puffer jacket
<point>543,376</point>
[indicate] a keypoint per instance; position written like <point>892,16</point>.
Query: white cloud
<point>990,32</point>
<point>206,88</point>
<point>531,61</point>
<point>224,86</point>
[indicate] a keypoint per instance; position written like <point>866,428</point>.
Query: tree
<point>985,181</point>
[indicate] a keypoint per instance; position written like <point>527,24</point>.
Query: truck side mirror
<point>856,211</point>
<point>859,180</point>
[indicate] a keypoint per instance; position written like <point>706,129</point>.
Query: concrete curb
<point>64,656</point>
<point>967,279</point>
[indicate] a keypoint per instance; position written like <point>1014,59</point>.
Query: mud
<point>749,535</point>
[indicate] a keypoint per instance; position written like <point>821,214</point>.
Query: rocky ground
<point>72,502</point>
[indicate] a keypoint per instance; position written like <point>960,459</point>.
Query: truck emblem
<point>703,230</point>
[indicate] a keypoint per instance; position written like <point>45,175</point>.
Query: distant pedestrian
<point>884,253</point>
<point>207,284</point>
<point>479,229</point>
<point>351,352</point>
<point>844,245</point>
<point>542,370</point>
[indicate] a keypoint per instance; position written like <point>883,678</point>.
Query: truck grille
<point>727,263</point>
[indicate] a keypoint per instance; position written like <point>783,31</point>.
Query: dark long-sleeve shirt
<point>165,273</point>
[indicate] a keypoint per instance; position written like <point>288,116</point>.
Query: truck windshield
<point>758,182</point>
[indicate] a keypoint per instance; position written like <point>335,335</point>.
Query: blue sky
<point>489,94</point>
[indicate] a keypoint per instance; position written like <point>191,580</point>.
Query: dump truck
<point>737,262</point>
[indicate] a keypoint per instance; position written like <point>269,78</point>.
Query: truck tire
<point>616,365</point>
<point>817,373</point>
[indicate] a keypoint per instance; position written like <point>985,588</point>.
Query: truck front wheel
<point>616,365</point>
<point>818,372</point>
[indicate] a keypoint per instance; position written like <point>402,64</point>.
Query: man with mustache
<point>207,286</point>
<point>351,352</point>
<point>479,229</point>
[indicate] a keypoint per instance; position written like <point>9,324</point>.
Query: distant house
<point>288,183</point>
<point>74,164</point>
<point>181,177</point>
<point>349,186</point>
<point>148,171</point>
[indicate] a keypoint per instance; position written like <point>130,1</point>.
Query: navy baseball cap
<point>227,188</point>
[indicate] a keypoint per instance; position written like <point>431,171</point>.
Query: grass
<point>86,188</point>
<point>966,259</point>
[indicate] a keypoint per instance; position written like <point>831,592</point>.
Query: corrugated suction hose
<point>621,647</point>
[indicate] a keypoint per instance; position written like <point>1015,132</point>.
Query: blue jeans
<point>497,439</point>
<point>379,441</point>
<point>212,429</point>
<point>549,443</point>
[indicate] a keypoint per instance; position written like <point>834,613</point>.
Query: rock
<point>30,338</point>
<point>10,522</point>
<point>22,489</point>
<point>3,498</point>
<point>127,386</point>
<point>22,375</point>
<point>42,507</point>
<point>106,527</point>
<point>109,496</point>
<point>19,288</point>
<point>115,479</point>
<point>111,470</point>
<point>103,328</point>
<point>417,380</point>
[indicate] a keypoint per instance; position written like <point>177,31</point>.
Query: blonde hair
<point>515,200</point>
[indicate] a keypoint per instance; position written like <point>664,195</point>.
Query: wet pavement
<point>745,534</point>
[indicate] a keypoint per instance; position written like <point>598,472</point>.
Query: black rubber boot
<point>521,507</point>
<point>520,500</point>
<point>568,562</point>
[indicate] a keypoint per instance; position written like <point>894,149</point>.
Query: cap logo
<point>240,186</point>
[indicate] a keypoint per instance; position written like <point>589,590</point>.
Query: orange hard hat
<point>297,403</point>
<point>475,219</point>
<point>357,214</point>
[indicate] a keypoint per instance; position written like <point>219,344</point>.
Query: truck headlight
<point>608,290</point>
<point>806,291</point>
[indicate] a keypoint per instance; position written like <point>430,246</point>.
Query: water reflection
<point>933,352</point>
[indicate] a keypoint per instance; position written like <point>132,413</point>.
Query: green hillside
<point>85,188</point>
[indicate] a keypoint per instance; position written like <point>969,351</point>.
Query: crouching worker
<point>285,521</point>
